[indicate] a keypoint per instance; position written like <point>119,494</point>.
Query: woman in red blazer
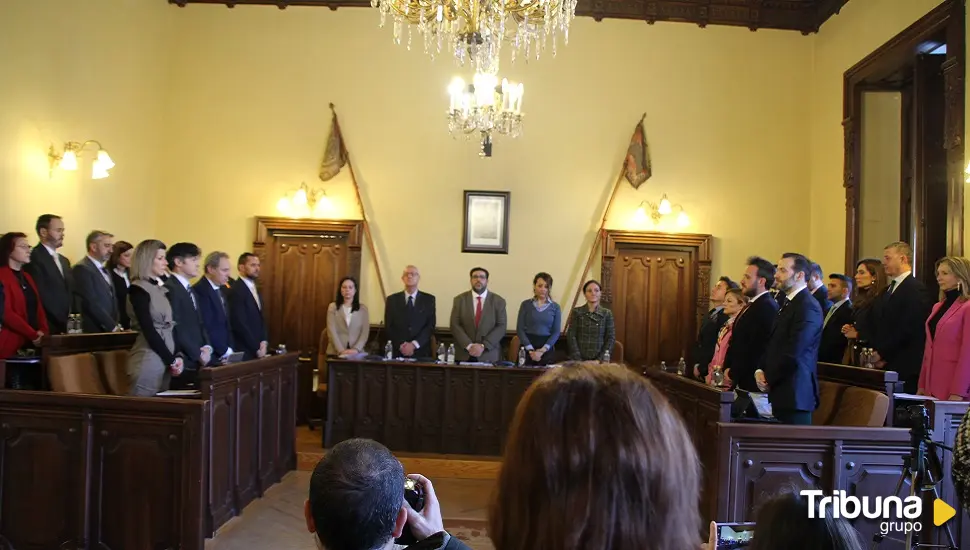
<point>24,321</point>
<point>946,360</point>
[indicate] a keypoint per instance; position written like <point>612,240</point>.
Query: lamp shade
<point>69,160</point>
<point>98,172</point>
<point>104,160</point>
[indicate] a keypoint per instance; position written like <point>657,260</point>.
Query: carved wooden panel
<point>805,16</point>
<point>487,434</point>
<point>400,409</point>
<point>42,471</point>
<point>459,392</point>
<point>652,282</point>
<point>341,403</point>
<point>430,402</point>
<point>766,467</point>
<point>870,472</point>
<point>269,429</point>
<point>287,424</point>
<point>371,406</point>
<point>246,484</point>
<point>222,456</point>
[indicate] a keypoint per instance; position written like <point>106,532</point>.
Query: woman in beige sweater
<point>348,323</point>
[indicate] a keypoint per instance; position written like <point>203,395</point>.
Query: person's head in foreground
<point>783,522</point>
<point>596,458</point>
<point>356,501</point>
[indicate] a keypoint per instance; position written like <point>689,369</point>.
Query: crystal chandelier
<point>474,30</point>
<point>485,107</point>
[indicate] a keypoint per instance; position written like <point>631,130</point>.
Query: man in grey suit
<point>478,321</point>
<point>93,288</point>
<point>52,272</point>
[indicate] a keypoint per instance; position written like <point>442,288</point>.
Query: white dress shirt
<point>123,273</point>
<point>57,258</point>
<point>899,280</point>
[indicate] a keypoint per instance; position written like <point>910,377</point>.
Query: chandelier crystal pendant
<point>473,30</point>
<point>484,107</point>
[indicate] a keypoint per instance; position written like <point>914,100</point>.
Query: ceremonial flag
<point>637,167</point>
<point>334,156</point>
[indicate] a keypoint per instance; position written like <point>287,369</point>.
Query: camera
<point>414,495</point>
<point>915,417</point>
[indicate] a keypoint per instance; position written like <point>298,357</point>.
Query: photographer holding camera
<point>357,502</point>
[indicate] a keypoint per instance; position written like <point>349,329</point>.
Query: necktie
<point>478,311</point>
<point>410,302</point>
<point>191,295</point>
<point>106,275</point>
<point>223,300</point>
<point>255,294</point>
<point>892,286</point>
<point>829,315</point>
<point>57,262</point>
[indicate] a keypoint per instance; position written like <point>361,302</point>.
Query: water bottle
<point>606,356</point>
<point>388,351</point>
<point>441,353</point>
<point>663,366</point>
<point>450,358</point>
<point>70,323</point>
<point>78,324</point>
<point>717,376</point>
<point>867,362</point>
<point>681,367</point>
<point>521,356</point>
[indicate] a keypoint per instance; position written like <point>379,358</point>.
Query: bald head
<point>410,278</point>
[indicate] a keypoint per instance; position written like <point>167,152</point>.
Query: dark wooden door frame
<point>613,239</point>
<point>947,20</point>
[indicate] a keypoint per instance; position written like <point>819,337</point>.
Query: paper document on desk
<point>761,403</point>
<point>177,393</point>
<point>913,397</point>
<point>474,364</point>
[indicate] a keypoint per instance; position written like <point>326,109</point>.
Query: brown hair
<point>596,458</point>
<point>737,293</point>
<point>119,248</point>
<point>863,297</point>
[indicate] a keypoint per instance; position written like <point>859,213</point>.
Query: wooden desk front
<point>424,407</point>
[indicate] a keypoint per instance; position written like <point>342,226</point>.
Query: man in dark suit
<point>93,289</point>
<point>410,317</point>
<point>52,272</point>
<point>752,325</point>
<point>246,310</point>
<point>900,335</point>
<point>478,321</point>
<point>832,348</point>
<point>817,287</point>
<point>191,341</point>
<point>703,350</point>
<point>211,292</point>
<point>788,367</point>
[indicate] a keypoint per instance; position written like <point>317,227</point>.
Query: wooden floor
<point>463,485</point>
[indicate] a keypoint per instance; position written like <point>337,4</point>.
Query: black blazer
<point>749,338</point>
<point>189,332</point>
<point>821,295</point>
<point>790,361</point>
<point>703,350</point>
<point>95,298</point>
<point>55,289</point>
<point>215,316</point>
<point>417,325</point>
<point>832,348</point>
<point>900,332</point>
<point>246,319</point>
<point>121,297</point>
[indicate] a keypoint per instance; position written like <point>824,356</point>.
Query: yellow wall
<point>249,117</point>
<point>77,71</point>
<point>860,27</point>
<point>881,160</point>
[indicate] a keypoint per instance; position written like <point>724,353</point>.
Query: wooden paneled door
<point>302,262</point>
<point>657,286</point>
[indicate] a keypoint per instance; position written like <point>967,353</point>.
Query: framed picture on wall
<point>486,222</point>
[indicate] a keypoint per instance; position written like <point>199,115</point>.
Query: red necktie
<point>478,311</point>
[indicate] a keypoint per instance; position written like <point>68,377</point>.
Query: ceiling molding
<point>805,16</point>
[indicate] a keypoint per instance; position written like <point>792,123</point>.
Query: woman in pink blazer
<point>946,360</point>
<point>734,302</point>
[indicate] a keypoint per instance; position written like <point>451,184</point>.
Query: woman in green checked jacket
<point>591,332</point>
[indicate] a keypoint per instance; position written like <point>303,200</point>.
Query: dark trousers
<point>548,358</point>
<point>791,416</point>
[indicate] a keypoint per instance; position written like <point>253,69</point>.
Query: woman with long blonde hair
<point>946,360</point>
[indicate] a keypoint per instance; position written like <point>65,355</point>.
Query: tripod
<point>919,468</point>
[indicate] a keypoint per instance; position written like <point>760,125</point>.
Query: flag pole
<point>600,235</point>
<point>360,203</point>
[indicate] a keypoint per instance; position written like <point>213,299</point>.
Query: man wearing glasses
<point>410,318</point>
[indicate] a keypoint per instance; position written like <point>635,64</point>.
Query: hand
<point>876,358</point>
<point>850,332</point>
<point>727,379</point>
<point>407,349</point>
<point>117,328</point>
<point>921,391</point>
<point>759,378</point>
<point>205,355</point>
<point>349,351</point>
<point>697,371</point>
<point>476,350</point>
<point>711,543</point>
<point>880,364</point>
<point>428,521</point>
<point>261,352</point>
<point>955,397</point>
<point>536,354</point>
<point>40,336</point>
<point>177,367</point>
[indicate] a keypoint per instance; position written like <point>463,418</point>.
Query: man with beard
<point>51,272</point>
<point>788,368</point>
<point>246,309</point>
<point>752,325</point>
<point>478,321</point>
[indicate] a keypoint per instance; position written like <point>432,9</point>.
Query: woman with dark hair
<point>540,322</point>
<point>870,283</point>
<point>24,321</point>
<point>348,323</point>
<point>152,361</point>
<point>783,522</point>
<point>118,265</point>
<point>596,458</point>
<point>591,332</point>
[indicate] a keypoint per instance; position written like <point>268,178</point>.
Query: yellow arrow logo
<point>942,512</point>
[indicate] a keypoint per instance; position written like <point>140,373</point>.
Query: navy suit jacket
<point>703,351</point>
<point>189,332</point>
<point>246,319</point>
<point>749,338</point>
<point>55,289</point>
<point>791,358</point>
<point>821,296</point>
<point>900,329</point>
<point>215,316</point>
<point>418,325</point>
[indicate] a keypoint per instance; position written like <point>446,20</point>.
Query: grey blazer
<point>95,298</point>
<point>344,336</point>
<point>489,331</point>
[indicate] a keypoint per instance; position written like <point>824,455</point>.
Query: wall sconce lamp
<point>305,202</point>
<point>658,211</point>
<point>68,159</point>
